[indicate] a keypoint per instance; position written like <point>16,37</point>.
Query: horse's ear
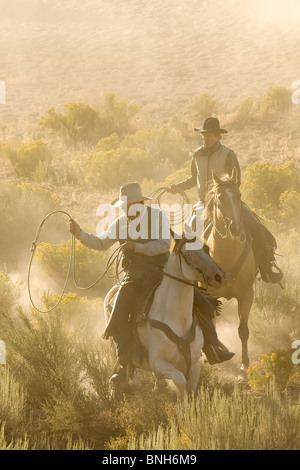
<point>234,175</point>
<point>175,241</point>
<point>215,177</point>
<point>173,245</point>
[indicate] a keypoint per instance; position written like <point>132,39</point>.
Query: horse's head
<point>224,200</point>
<point>196,264</point>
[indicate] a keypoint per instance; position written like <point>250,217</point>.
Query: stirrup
<point>271,276</point>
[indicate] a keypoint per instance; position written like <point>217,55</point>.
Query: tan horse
<point>231,248</point>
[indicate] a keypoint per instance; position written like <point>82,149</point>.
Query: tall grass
<point>216,421</point>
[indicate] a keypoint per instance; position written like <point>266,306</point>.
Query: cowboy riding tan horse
<point>214,156</point>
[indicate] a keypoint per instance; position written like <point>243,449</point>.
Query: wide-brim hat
<point>211,124</point>
<point>130,193</point>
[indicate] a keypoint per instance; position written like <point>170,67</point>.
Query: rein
<point>157,268</point>
<point>232,275</point>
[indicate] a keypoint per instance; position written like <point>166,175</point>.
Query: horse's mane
<point>223,180</point>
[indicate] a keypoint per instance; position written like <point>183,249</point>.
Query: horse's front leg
<point>244,306</point>
<point>193,378</point>
<point>168,371</point>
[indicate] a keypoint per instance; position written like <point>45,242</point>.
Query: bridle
<point>227,221</point>
<point>185,257</point>
<point>244,236</point>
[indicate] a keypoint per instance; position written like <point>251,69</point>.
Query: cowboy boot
<point>205,308</point>
<point>123,344</point>
<point>215,355</point>
<point>268,267</point>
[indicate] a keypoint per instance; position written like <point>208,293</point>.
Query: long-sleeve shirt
<point>160,234</point>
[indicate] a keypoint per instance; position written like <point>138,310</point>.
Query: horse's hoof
<point>244,366</point>
<point>242,375</point>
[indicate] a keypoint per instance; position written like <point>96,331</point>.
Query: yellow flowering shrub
<point>277,365</point>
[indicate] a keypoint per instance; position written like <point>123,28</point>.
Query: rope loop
<point>116,256</point>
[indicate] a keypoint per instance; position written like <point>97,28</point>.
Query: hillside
<point>159,54</point>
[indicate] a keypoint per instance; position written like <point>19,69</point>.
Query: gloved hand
<point>74,228</point>
<point>128,247</point>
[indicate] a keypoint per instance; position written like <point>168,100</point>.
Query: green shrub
<point>204,104</point>
<point>76,311</point>
<point>63,366</point>
<point>22,208</point>
<point>264,187</point>
<point>47,353</point>
<point>9,151</point>
<point>246,111</point>
<point>12,443</point>
<point>276,99</point>
<point>82,123</point>
<point>28,159</point>
<point>147,152</point>
<point>160,145</point>
<point>89,265</point>
<point>289,205</point>
<point>277,365</point>
<point>110,169</point>
<point>9,293</point>
<point>117,115</point>
<point>289,249</point>
<point>106,144</point>
<point>12,403</point>
<point>274,320</point>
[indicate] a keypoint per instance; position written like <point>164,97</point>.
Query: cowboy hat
<point>211,124</point>
<point>130,193</point>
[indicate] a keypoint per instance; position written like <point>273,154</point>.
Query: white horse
<point>170,333</point>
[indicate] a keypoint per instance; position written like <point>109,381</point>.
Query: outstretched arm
<point>102,242</point>
<point>188,183</point>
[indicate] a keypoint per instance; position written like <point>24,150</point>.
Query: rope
<point>157,195</point>
<point>114,257</point>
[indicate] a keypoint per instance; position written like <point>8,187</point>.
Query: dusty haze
<point>159,54</point>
